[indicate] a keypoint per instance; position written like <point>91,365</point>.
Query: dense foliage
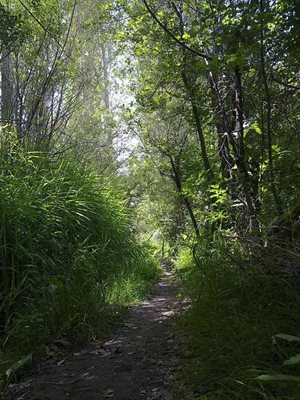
<point>215,78</point>
<point>188,110</point>
<point>66,253</point>
<point>236,313</point>
<point>217,115</point>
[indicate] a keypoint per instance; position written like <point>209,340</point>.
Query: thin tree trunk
<point>7,91</point>
<point>197,119</point>
<point>223,131</point>
<point>195,109</point>
<point>274,190</point>
<point>184,198</point>
<point>249,185</point>
<point>105,75</point>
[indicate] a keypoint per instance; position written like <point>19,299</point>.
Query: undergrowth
<point>231,326</point>
<point>69,262</point>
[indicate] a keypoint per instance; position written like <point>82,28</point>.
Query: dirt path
<point>138,363</point>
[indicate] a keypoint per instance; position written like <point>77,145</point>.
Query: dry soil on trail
<point>138,362</point>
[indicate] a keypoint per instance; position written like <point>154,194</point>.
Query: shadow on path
<point>138,363</point>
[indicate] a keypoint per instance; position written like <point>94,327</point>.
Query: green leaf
<point>275,148</point>
<point>253,127</point>
<point>17,365</point>
<point>186,36</point>
<point>293,360</point>
<point>289,338</point>
<point>271,378</point>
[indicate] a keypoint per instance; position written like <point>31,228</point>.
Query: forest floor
<point>138,363</point>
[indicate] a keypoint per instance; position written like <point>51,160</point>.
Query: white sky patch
<point>122,102</point>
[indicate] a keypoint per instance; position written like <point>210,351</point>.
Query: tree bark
<point>7,91</point>
<point>197,119</point>
<point>250,186</point>
<point>274,190</point>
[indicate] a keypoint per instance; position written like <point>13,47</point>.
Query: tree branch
<point>178,41</point>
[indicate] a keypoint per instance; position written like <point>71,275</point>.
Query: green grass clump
<point>131,285</point>
<point>235,314</point>
<point>66,251</point>
<point>185,260</point>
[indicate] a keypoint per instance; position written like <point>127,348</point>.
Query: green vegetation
<point>66,254</point>
<point>232,325</point>
<point>188,111</point>
<point>217,114</point>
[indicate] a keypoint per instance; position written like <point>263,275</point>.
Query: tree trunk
<point>7,92</point>
<point>274,190</point>
<point>185,199</point>
<point>196,114</point>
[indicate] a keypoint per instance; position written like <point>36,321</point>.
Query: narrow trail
<point>139,362</point>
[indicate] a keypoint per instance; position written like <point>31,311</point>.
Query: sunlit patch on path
<point>139,362</point>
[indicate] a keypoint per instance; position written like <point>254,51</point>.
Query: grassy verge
<point>68,258</point>
<point>231,326</point>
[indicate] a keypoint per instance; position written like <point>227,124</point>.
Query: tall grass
<point>64,237</point>
<point>235,312</point>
